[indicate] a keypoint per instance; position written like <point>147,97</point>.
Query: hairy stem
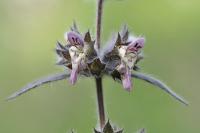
<point>100,102</point>
<point>99,88</point>
<point>98,23</point>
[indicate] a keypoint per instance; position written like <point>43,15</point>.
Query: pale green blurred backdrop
<point>29,30</point>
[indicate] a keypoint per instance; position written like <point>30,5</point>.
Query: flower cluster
<point>118,59</point>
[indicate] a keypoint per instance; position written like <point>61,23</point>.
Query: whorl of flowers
<point>118,59</point>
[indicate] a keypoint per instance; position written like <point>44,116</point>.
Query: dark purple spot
<point>77,40</point>
<point>136,45</point>
<point>73,39</point>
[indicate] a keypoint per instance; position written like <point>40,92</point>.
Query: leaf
<point>125,33</point>
<point>63,51</point>
<point>108,128</point>
<point>87,37</point>
<point>96,67</point>
<point>119,40</point>
<point>59,46</point>
<point>37,83</point>
<point>89,50</point>
<point>159,84</point>
<point>116,75</point>
<point>111,55</point>
<point>74,27</point>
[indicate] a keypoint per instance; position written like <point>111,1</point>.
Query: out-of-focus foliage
<point>29,30</point>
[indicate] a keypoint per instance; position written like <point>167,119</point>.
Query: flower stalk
<point>100,101</point>
<point>99,24</point>
<point>99,88</point>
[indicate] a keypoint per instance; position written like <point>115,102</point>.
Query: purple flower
<point>129,55</point>
<point>76,53</point>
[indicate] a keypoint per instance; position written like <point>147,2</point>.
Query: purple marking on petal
<point>74,75</point>
<point>136,45</point>
<point>74,38</point>
<point>126,81</point>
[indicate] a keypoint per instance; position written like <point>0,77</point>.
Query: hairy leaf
<point>159,84</point>
<point>37,83</point>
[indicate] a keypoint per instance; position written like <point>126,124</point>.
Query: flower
<point>77,54</point>
<point>122,55</point>
<point>129,55</point>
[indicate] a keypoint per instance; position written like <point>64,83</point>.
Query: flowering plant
<point>81,55</point>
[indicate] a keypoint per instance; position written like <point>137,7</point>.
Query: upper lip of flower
<point>74,38</point>
<point>136,44</point>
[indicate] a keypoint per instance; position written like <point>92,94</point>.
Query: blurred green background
<point>29,30</point>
